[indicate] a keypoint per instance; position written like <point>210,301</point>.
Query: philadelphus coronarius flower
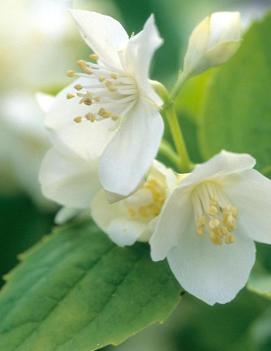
<point>212,42</point>
<point>112,92</point>
<point>208,225</point>
<point>134,217</point>
<point>23,142</point>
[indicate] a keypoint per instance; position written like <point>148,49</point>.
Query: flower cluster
<point>106,129</point>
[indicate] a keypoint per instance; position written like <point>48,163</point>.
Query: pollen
<point>147,202</point>
<point>93,57</point>
<point>78,119</point>
<point>214,214</point>
<point>70,73</point>
<point>70,96</point>
<point>78,87</point>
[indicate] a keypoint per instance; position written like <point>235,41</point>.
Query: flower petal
<point>197,45</point>
<point>85,139</point>
<point>173,222</point>
<point>68,180</point>
<point>103,34</point>
<point>224,27</point>
<point>138,55</point>
<point>214,274</point>
<point>251,194</point>
<point>221,165</point>
<point>113,220</point>
<point>66,214</point>
<point>129,155</point>
<point>45,101</point>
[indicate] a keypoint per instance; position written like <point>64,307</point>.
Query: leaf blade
<point>83,303</point>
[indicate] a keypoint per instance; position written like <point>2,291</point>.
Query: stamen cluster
<point>107,91</point>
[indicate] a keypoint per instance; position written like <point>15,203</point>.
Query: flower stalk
<point>169,113</point>
<point>177,135</point>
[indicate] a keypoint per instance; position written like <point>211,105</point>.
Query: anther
<point>84,67</point>
<point>77,119</point>
<point>70,95</point>
<point>102,78</point>
<point>78,87</point>
<point>93,57</point>
<point>103,113</point>
<point>70,73</point>
<point>90,117</point>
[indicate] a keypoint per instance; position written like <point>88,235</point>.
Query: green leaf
<point>237,110</point>
<point>27,229</point>
<point>260,283</point>
<point>190,100</point>
<point>77,291</point>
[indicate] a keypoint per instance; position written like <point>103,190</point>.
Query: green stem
<point>166,150</point>
<point>169,113</point>
<point>177,135</point>
<point>178,86</point>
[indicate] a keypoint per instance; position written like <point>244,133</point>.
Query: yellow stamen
<point>70,95</point>
<point>77,119</point>
<point>93,57</point>
<point>78,87</point>
<point>212,207</point>
<point>70,73</point>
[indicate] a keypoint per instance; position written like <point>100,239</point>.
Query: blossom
<point>207,226</point>
<point>212,42</point>
<point>113,90</point>
<point>23,144</point>
<point>134,217</point>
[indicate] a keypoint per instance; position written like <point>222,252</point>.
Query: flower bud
<point>212,42</point>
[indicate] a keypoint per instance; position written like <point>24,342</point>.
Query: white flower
<point>212,42</point>
<point>113,89</point>
<point>23,144</point>
<point>134,217</point>
<point>208,225</point>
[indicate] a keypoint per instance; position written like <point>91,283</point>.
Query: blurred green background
<point>39,43</point>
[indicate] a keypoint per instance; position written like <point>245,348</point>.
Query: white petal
<point>138,55</point>
<point>197,45</point>
<point>68,180</point>
<point>65,214</point>
<point>130,153</point>
<point>113,220</point>
<point>103,34</point>
<point>214,274</point>
<point>220,166</point>
<point>173,222</point>
<point>251,194</point>
<point>45,101</point>
<point>224,27</point>
<point>85,139</point>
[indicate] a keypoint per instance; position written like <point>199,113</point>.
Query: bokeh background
<point>38,44</point>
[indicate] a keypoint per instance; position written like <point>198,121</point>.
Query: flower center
<point>147,202</point>
<point>214,213</point>
<point>109,92</point>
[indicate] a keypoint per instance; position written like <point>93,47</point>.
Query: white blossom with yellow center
<point>208,226</point>
<point>112,92</point>
<point>133,218</point>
